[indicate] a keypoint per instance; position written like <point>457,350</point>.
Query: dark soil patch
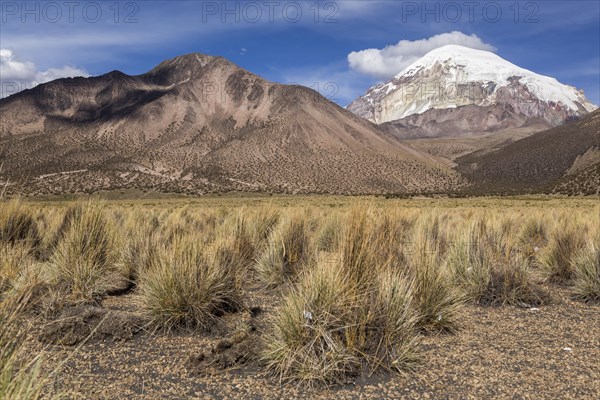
<point>236,350</point>
<point>90,323</point>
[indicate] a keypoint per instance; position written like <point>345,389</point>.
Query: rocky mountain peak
<point>454,76</point>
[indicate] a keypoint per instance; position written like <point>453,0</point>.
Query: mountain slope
<point>565,159</point>
<point>200,124</point>
<point>461,121</point>
<point>470,91</point>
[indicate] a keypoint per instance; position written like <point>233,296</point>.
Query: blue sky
<point>306,42</point>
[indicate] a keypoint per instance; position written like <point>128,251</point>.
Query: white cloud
<point>388,62</point>
<point>17,74</point>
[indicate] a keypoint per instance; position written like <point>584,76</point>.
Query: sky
<point>339,48</point>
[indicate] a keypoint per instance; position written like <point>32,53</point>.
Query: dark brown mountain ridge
<point>565,159</point>
<point>200,124</point>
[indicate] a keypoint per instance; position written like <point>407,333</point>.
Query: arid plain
<point>305,297</point>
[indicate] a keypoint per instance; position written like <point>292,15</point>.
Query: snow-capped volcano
<point>455,76</point>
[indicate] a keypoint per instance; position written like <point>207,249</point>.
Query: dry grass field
<point>299,297</point>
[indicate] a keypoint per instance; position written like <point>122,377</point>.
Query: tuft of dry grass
<point>533,237</point>
<point>510,283</point>
<point>85,255</point>
<point>17,225</point>
<point>349,311</point>
<point>235,239</point>
<point>557,257</point>
<point>19,379</point>
<point>15,261</point>
<point>310,341</point>
<point>261,224</point>
<point>397,320</point>
<point>329,327</point>
<point>328,235</point>
<point>185,288</point>
<point>490,270</point>
<point>20,243</point>
<point>438,302</point>
<point>140,241</point>
<point>287,251</point>
<point>586,273</point>
<point>364,247</point>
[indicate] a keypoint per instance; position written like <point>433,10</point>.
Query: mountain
<point>456,90</point>
<point>565,159</point>
<point>199,124</point>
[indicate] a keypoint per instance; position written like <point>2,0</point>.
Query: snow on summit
<point>453,76</point>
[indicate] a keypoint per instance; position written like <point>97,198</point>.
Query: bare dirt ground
<point>517,353</point>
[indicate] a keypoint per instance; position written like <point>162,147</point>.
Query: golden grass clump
<point>557,257</point>
<point>329,327</point>
<point>288,249</point>
<point>397,319</point>
<point>586,272</point>
<point>140,238</point>
<point>309,342</point>
<point>364,247</point>
<point>19,379</point>
<point>261,224</point>
<point>438,302</point>
<point>349,311</point>
<point>85,255</point>
<point>235,239</point>
<point>17,225</point>
<point>510,283</point>
<point>15,261</point>
<point>20,240</point>
<point>488,267</point>
<point>328,235</point>
<point>533,236</point>
<point>183,287</point>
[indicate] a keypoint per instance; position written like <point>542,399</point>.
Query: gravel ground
<point>550,353</point>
